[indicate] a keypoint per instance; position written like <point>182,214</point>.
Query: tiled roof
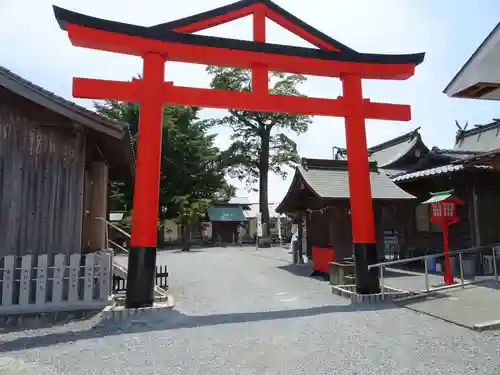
<point>481,138</point>
<point>393,172</point>
<point>10,76</point>
<point>428,172</point>
<point>243,201</point>
<point>225,213</point>
<point>254,209</point>
<point>457,154</point>
<point>332,182</point>
<point>68,109</point>
<point>387,153</point>
<point>477,158</point>
<point>445,169</point>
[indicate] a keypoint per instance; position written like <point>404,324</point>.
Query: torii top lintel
<point>173,41</point>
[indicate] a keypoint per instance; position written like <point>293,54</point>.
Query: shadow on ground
<point>29,321</point>
<point>192,251</point>
<point>395,274</point>
<point>303,270</point>
<point>173,319</point>
<point>468,306</point>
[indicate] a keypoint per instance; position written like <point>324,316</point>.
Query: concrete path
<point>473,305</point>
<point>239,311</point>
<point>409,280</point>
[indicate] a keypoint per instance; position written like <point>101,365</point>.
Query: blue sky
<point>449,31</point>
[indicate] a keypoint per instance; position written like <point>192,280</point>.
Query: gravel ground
<point>242,312</point>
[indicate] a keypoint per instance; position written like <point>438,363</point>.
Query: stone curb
<point>40,320</point>
<point>109,313</point>
<point>116,313</point>
<point>349,292</point>
<point>486,326</point>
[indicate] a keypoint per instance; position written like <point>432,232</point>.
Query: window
<point>448,208</point>
<point>436,209</point>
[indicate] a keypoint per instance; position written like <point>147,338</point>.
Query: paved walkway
<point>468,306</point>
<point>243,312</point>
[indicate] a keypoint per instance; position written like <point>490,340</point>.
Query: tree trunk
<point>161,234</point>
<point>263,183</point>
<point>186,237</point>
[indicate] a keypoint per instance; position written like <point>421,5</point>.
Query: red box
<point>322,256</point>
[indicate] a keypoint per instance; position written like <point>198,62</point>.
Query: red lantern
<point>443,208</point>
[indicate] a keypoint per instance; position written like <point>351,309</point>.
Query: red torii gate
<point>172,41</point>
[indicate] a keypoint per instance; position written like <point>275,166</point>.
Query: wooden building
<point>479,77</point>
<point>224,220</point>
<point>470,169</point>
<point>403,168</point>
<point>55,161</point>
<point>318,197</point>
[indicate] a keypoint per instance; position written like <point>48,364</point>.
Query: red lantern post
<point>443,212</point>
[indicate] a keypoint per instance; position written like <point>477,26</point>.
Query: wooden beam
<point>237,58</point>
<point>216,21</point>
<point>226,99</point>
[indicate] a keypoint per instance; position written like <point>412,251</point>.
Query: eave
<point>111,36</point>
<point>243,8</point>
<point>112,137</point>
<point>391,153</point>
<point>479,78</point>
<point>294,191</point>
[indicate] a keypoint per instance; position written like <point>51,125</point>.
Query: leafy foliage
<point>258,143</point>
<point>192,170</point>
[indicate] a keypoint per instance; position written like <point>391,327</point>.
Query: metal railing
<point>494,250</point>
<point>118,246</point>
<point>117,228</point>
<point>114,226</point>
<point>161,273</point>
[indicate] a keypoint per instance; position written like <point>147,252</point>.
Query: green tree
<point>258,142</point>
<point>192,171</point>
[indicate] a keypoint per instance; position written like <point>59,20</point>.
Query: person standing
<point>295,248</point>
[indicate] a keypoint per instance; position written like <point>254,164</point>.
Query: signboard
<point>278,224</point>
<point>304,236</point>
<point>391,244</point>
<point>259,224</point>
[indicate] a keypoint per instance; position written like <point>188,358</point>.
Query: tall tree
<point>259,144</point>
<point>192,171</point>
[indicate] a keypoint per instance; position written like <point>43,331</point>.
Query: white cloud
<point>34,47</point>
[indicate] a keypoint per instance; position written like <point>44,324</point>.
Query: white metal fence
<point>48,283</point>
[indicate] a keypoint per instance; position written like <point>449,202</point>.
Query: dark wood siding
<point>331,226</point>
<point>41,181</point>
<point>461,234</point>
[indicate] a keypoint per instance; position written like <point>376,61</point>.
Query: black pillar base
<point>141,277</point>
<point>367,281</point>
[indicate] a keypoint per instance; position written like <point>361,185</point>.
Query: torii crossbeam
<point>172,41</point>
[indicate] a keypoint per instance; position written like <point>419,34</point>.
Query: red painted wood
<point>260,78</point>
<point>220,56</point>
<point>290,26</point>
<point>216,21</point>
<point>363,230</point>
<point>89,88</point>
<point>448,277</point>
<point>147,173</point>
<point>254,9</point>
<point>224,99</point>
